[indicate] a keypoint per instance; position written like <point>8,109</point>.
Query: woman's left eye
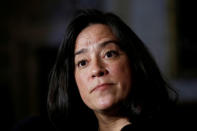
<point>111,53</point>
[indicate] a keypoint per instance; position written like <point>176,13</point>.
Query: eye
<point>111,53</point>
<point>82,63</point>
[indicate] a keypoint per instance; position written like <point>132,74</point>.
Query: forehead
<point>93,34</point>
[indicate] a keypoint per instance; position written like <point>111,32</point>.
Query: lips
<point>101,87</point>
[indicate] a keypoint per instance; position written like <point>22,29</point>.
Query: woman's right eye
<point>82,63</point>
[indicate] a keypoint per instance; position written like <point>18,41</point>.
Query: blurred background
<point>32,30</point>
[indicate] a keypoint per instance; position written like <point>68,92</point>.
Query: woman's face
<point>102,69</point>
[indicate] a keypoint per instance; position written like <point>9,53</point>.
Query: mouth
<point>101,87</point>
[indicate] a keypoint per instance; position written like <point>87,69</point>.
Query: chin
<point>104,104</point>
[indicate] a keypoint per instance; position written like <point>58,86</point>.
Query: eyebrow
<point>83,50</point>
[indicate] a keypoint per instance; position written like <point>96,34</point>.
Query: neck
<point>111,123</point>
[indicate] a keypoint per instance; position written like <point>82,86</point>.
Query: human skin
<point>102,69</point>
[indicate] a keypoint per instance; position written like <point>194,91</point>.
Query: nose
<point>98,69</point>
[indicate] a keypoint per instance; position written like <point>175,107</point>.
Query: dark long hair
<point>149,94</point>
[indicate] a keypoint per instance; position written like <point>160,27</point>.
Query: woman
<point>105,79</point>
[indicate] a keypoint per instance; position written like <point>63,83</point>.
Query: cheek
<point>80,79</point>
<point>81,84</point>
<point>121,72</point>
